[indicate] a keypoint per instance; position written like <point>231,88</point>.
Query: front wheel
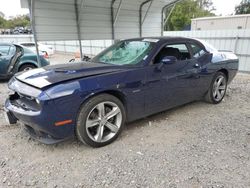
<point>217,88</point>
<point>100,120</point>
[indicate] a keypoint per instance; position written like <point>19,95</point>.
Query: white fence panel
<point>237,41</point>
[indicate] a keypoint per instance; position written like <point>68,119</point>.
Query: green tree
<point>186,10</point>
<point>2,22</point>
<point>19,21</point>
<point>243,7</point>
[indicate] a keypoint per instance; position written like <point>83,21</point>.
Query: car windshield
<point>124,53</point>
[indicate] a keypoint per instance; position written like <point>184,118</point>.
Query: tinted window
<point>12,50</point>
<point>197,50</point>
<point>180,47</point>
<point>27,51</point>
<point>28,44</point>
<point>180,51</point>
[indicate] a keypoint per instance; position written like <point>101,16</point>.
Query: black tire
<point>85,112</point>
<point>26,67</point>
<point>209,97</point>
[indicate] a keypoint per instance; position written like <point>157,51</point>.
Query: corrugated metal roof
<point>56,19</point>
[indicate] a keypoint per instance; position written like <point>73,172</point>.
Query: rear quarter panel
<point>227,61</point>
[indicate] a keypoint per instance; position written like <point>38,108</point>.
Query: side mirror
<point>165,61</point>
<point>168,60</point>
<point>1,54</point>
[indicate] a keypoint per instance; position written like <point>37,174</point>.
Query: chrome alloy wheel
<point>219,88</point>
<point>104,121</point>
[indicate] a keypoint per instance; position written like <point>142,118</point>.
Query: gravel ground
<point>196,145</point>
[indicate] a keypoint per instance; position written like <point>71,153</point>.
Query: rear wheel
<point>26,67</point>
<point>217,88</point>
<point>100,120</point>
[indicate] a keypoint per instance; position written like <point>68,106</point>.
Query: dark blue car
<point>132,79</point>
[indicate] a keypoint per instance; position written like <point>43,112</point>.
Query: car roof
<point>166,38</point>
<point>8,43</point>
<point>25,42</point>
<point>19,45</point>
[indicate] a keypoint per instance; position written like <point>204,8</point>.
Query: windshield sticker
<point>150,40</point>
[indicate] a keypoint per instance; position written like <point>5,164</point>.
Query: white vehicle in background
<point>46,50</point>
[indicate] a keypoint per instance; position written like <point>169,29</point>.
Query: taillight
<point>45,55</point>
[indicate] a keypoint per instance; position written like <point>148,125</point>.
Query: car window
<point>125,53</point>
<point>27,51</point>
<point>12,50</point>
<point>180,47</point>
<point>197,50</point>
<point>28,44</point>
<point>180,51</point>
<point>4,49</point>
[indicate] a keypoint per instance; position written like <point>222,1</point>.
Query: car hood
<point>46,76</point>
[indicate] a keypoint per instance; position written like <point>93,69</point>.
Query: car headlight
<point>10,91</point>
<point>22,88</point>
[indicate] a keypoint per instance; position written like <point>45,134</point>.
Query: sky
<point>13,8</point>
<point>225,7</point>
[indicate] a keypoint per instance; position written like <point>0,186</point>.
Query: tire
<point>26,67</point>
<point>100,120</point>
<point>217,89</point>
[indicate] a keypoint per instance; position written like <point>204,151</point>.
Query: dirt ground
<point>196,145</point>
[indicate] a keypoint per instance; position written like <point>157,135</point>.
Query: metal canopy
<point>95,19</point>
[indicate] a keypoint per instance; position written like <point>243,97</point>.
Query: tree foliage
<point>19,21</point>
<point>186,10</point>
<point>243,7</point>
<point>2,22</point>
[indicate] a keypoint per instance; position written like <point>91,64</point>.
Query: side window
<point>4,49</point>
<point>180,51</point>
<point>197,51</point>
<point>12,50</point>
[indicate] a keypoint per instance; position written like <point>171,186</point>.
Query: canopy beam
<point>78,25</point>
<point>140,14</point>
<point>31,4</point>
<point>162,14</point>
<point>117,12</point>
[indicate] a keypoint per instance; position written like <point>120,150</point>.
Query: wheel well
<point>19,68</point>
<point>225,71</point>
<point>116,94</point>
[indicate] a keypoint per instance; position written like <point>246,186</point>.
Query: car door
<point>202,58</point>
<point>172,84</point>
<point>5,57</point>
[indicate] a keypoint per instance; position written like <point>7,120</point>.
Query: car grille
<point>25,102</point>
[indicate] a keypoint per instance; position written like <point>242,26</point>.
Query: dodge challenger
<point>130,80</point>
